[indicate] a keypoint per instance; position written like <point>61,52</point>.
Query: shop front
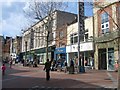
<point>41,54</point>
<point>86,53</point>
<point>107,55</point>
<point>60,53</point>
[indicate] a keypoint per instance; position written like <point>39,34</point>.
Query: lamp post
<point>25,52</point>
<point>47,44</point>
<point>80,34</point>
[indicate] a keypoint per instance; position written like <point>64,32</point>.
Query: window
<point>105,23</point>
<point>61,34</point>
<point>32,39</point>
<point>105,30</point>
<point>104,17</point>
<point>102,26</point>
<point>61,44</point>
<point>73,38</point>
<point>82,38</point>
<point>54,23</point>
<point>86,36</point>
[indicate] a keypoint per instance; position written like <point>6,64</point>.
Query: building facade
<point>1,47</point>
<point>61,42</point>
<point>34,39</point>
<point>107,34</point>
<point>6,48</point>
<point>86,42</point>
<point>16,48</point>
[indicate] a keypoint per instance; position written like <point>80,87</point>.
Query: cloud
<point>13,25</point>
<point>12,19</point>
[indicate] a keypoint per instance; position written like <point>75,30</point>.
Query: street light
<point>80,34</point>
<point>25,52</point>
<point>47,45</point>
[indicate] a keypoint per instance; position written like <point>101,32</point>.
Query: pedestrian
<point>92,62</point>
<point>65,66</point>
<point>116,66</point>
<point>47,69</point>
<point>85,62</point>
<point>53,65</point>
<point>10,63</point>
<point>72,66</point>
<point>3,67</point>
<point>23,61</point>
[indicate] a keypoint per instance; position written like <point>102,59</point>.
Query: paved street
<point>29,77</point>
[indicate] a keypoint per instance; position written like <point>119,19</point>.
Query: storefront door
<point>111,59</point>
<point>102,62</point>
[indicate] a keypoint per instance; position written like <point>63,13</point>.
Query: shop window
<point>111,59</point>
<point>82,38</point>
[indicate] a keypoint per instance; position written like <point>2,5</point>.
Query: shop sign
<point>60,50</point>
<point>87,46</point>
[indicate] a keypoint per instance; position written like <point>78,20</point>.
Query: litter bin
<point>81,69</point>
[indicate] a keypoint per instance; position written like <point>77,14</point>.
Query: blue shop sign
<point>60,50</point>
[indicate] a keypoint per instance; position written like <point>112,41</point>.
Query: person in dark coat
<point>72,66</point>
<point>47,68</point>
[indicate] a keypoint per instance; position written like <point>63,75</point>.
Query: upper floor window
<point>86,36</point>
<point>74,38</point>
<point>104,23</point>
<point>61,34</point>
<point>61,44</point>
<point>104,17</point>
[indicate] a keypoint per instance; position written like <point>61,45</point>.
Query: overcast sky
<point>13,20</point>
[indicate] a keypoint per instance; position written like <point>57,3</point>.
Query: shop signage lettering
<point>60,50</point>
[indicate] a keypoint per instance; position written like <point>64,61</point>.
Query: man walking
<point>47,68</point>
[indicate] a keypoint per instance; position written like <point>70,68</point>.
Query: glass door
<point>111,59</point>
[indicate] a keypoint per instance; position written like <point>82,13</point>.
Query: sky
<point>13,19</point>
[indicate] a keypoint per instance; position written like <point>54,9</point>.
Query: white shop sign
<point>88,46</point>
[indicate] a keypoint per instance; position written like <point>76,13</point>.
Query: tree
<point>44,12</point>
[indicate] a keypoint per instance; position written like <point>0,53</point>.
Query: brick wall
<point>64,38</point>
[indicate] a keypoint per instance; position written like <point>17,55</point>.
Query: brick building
<point>107,34</point>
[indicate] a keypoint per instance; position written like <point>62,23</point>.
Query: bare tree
<point>39,10</point>
<point>44,12</point>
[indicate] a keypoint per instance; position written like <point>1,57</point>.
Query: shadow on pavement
<point>16,82</point>
<point>30,82</point>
